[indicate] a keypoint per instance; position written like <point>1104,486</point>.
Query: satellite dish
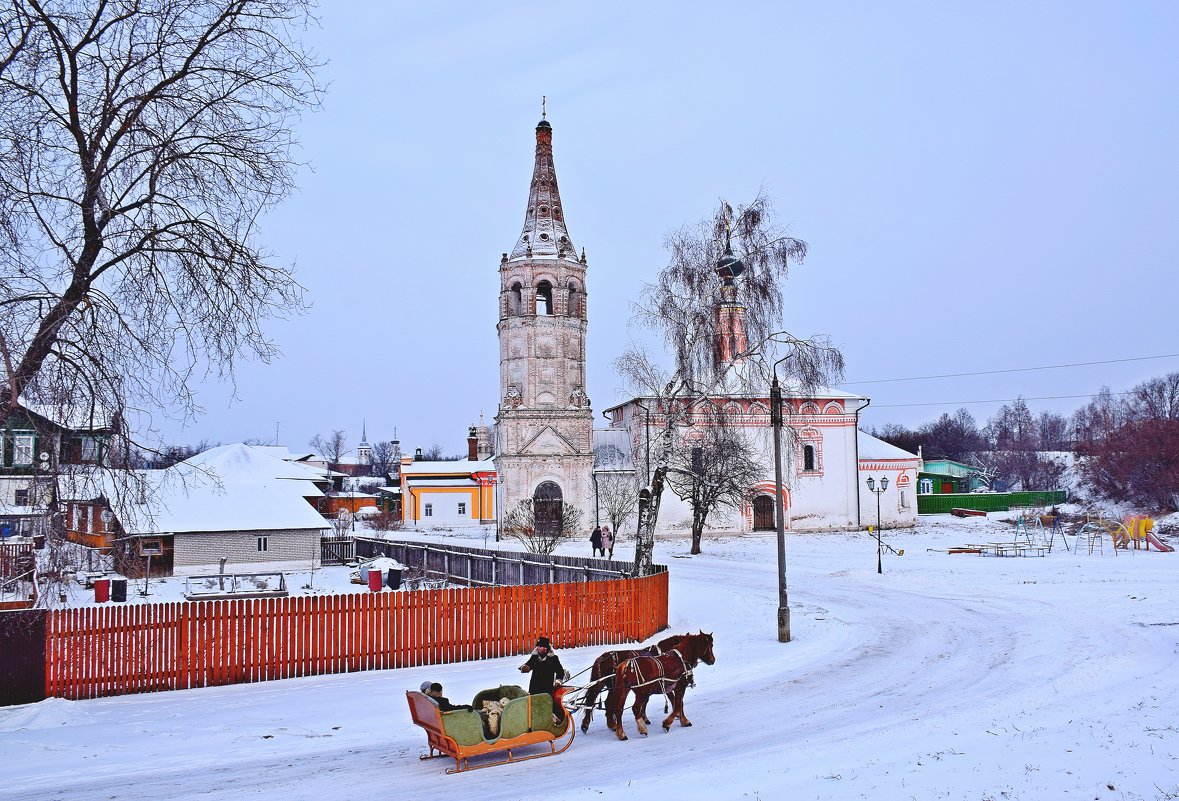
<point>106,516</point>
<point>44,455</point>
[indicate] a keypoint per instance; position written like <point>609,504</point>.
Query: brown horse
<point>602,673</point>
<point>667,673</point>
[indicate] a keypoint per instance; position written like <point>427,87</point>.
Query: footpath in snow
<point>949,676</point>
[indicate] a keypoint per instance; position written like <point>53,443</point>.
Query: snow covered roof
<point>788,393</point>
<point>612,450</point>
<point>873,448</point>
<point>458,466</point>
<point>228,488</point>
<point>76,418</point>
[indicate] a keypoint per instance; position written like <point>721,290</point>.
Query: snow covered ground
<point>949,676</point>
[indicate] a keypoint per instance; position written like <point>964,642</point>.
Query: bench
<point>526,720</point>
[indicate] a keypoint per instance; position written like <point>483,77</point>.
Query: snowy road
<point>958,677</point>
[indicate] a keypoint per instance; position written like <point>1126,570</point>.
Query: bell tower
<point>545,424</point>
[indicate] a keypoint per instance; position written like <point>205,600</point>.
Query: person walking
<point>596,540</point>
<point>607,543</point>
<point>547,672</point>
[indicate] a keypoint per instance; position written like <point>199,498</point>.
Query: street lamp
<point>779,505</point>
<point>878,493</point>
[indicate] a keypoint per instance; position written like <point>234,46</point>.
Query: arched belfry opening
<point>544,299</point>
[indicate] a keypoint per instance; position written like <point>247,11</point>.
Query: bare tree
<point>521,524</point>
<point>332,447</point>
<point>618,498</point>
<point>139,144</point>
<point>384,458</point>
<point>717,469</point>
<point>734,244</point>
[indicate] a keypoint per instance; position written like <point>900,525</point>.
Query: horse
<point>602,672</point>
<point>667,673</point>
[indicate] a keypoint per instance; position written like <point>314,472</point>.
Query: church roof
<point>544,234</point>
<point>877,449</point>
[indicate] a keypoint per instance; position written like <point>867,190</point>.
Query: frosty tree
<point>681,307</point>
<point>139,145</point>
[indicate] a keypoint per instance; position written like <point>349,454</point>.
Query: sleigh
<point>526,729</point>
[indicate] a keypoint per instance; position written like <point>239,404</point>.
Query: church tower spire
<point>731,340</point>
<point>544,426</point>
<point>544,231</point>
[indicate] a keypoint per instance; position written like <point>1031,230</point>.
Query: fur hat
<point>425,686</point>
<point>543,642</point>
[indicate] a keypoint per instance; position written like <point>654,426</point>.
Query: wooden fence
<point>481,567</point>
<point>100,651</point>
<point>987,501</point>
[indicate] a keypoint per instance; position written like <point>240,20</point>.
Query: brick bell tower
<point>544,427</point>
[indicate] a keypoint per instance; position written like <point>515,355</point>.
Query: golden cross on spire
<point>543,111</point>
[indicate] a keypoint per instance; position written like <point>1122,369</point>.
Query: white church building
<point>545,446</point>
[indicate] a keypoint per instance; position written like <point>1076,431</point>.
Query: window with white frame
<point>462,507</point>
<point>428,511</point>
<point>22,449</point>
<point>925,486</point>
<point>263,544</point>
<point>808,457</point>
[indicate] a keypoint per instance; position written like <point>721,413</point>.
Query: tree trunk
<point>697,532</point>
<point>645,537</point>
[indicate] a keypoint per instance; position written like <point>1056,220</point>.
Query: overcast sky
<point>982,186</point>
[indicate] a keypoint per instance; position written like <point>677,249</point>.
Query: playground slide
<point>1156,542</point>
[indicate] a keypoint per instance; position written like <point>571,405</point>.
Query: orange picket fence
<point>114,650</point>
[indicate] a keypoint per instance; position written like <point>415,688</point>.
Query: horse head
<point>703,647</point>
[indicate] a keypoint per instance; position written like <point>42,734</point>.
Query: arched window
<point>808,457</point>
<point>574,308</point>
<point>544,298</point>
<point>546,509</point>
<point>517,301</point>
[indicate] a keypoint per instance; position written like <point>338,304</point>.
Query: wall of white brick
<point>241,547</point>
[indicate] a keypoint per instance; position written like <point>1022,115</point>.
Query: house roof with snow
<point>877,449</point>
<point>450,467</point>
<point>228,488</point>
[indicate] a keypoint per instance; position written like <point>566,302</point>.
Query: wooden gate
<point>763,513</point>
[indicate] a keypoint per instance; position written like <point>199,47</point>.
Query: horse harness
<point>662,679</point>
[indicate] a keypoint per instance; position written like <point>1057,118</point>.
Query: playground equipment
<point>1139,531</point>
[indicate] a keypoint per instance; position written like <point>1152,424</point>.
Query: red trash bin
<point>102,590</point>
<point>374,580</point>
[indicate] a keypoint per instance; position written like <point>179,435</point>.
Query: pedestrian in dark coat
<point>547,672</point>
<point>596,541</point>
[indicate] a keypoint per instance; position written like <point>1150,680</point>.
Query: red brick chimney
<point>472,445</point>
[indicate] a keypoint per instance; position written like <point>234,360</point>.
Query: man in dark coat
<point>596,541</point>
<point>434,692</point>
<point>546,670</point>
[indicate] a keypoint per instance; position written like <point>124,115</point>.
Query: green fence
<point>987,501</point>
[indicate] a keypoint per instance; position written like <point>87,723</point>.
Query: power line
<point>995,400</point>
<point>1015,370</point>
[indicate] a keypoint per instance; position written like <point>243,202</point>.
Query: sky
<point>982,187</point>
<point>957,677</point>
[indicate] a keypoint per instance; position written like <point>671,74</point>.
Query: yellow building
<point>450,493</point>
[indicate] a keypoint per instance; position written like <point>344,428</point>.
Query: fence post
<point>586,569</point>
<point>446,565</point>
<point>425,561</point>
<point>494,570</point>
<point>521,571</point>
<point>470,558</point>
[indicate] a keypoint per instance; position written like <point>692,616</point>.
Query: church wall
<point>820,499</point>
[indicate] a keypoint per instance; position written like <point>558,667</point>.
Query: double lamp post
<point>878,493</point>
